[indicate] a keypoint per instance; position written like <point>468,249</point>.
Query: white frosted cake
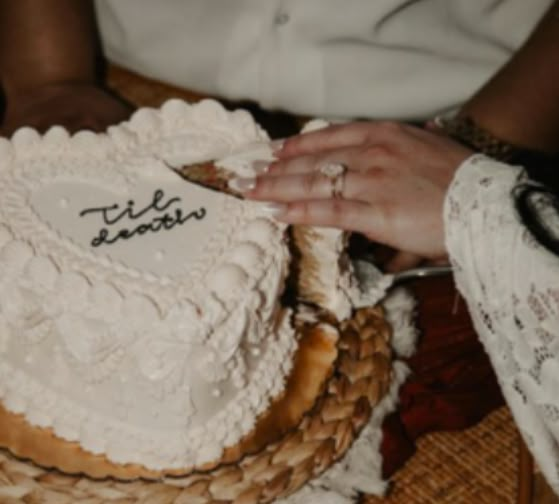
<point>140,314</point>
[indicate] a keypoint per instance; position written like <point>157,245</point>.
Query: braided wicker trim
<point>361,378</point>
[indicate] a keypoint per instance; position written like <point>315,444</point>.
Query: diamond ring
<point>335,173</point>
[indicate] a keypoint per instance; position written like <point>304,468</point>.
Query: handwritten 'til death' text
<point>161,214</point>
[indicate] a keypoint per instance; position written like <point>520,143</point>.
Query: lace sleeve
<point>511,285</point>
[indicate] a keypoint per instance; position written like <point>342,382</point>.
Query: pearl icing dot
<point>227,280</point>
<point>247,255</point>
<point>261,231</point>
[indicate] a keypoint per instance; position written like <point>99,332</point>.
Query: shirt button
<point>281,18</point>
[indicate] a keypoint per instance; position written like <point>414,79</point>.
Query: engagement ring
<point>335,173</point>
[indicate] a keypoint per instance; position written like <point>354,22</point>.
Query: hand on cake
<point>73,106</point>
<point>387,181</point>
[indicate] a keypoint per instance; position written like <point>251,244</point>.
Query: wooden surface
<point>542,492</point>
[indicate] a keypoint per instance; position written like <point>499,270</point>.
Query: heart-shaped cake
<point>140,314</point>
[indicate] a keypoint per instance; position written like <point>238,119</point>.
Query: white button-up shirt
<point>404,59</point>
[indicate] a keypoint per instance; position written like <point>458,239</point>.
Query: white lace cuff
<point>511,285</point>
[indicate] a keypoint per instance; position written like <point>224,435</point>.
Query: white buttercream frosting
<point>140,336</point>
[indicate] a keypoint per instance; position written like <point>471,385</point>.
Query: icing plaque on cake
<point>159,226</point>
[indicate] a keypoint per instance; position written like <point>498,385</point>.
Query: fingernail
<point>273,209</point>
<point>260,167</point>
<point>277,145</point>
<point>242,184</point>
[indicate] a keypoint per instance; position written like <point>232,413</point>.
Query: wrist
<point>74,106</point>
<point>465,131</point>
<point>19,92</point>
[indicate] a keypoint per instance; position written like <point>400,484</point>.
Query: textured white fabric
<point>511,285</point>
<point>397,59</point>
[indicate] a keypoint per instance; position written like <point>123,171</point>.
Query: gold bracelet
<point>465,131</point>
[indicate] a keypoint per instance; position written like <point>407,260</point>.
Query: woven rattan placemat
<point>475,466</point>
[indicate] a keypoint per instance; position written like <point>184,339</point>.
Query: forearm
<point>521,103</point>
<point>46,42</point>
